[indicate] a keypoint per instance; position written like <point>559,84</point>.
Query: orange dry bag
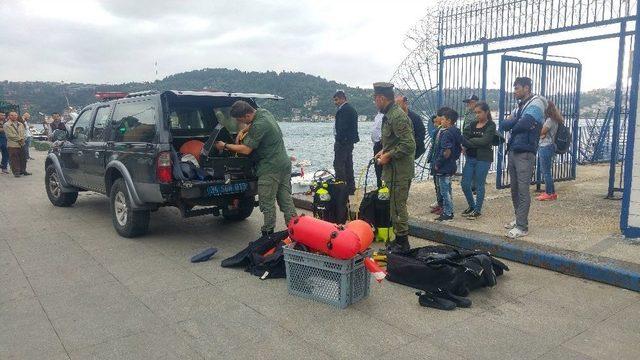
<point>193,147</point>
<point>364,232</point>
<point>323,236</point>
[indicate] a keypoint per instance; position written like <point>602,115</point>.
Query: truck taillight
<point>163,167</point>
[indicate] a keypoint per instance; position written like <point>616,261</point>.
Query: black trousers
<point>343,164</point>
<point>376,149</point>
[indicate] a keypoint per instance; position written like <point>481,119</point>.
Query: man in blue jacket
<point>346,135</point>
<point>524,126</point>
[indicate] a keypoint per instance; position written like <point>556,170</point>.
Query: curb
<point>592,267</point>
<point>610,271</point>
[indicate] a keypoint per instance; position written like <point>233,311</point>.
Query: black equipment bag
<point>444,268</point>
<point>253,260</point>
<point>336,210</point>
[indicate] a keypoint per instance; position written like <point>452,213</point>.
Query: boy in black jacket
<point>447,152</point>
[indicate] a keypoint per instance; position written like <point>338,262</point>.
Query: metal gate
<point>559,82</point>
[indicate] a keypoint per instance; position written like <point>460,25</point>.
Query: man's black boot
<point>400,244</point>
<point>267,233</point>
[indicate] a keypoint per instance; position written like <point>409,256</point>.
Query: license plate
<point>222,189</point>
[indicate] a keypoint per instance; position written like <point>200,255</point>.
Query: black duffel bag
<point>444,268</point>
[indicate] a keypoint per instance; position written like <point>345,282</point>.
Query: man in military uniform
<point>262,139</point>
<point>396,158</point>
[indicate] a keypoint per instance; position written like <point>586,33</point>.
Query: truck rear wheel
<point>126,221</point>
<point>244,210</point>
<point>54,189</point>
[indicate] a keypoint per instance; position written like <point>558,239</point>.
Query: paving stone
<point>25,332</point>
<point>618,337</point>
<point>89,316</point>
<point>164,344</point>
<point>479,338</point>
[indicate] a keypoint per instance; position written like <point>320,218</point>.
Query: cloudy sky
<point>114,41</point>
<point>355,42</point>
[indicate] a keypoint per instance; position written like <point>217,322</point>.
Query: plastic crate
<point>325,279</point>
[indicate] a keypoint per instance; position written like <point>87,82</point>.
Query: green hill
<point>308,95</point>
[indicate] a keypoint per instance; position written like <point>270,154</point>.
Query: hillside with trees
<point>306,97</point>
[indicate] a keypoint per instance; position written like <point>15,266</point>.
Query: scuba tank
<point>322,206</point>
<point>382,219</point>
<point>330,199</point>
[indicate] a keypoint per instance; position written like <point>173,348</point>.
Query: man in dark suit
<point>346,135</point>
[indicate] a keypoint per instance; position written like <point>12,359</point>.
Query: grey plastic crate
<point>325,279</point>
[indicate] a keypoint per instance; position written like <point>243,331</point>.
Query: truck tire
<point>127,222</point>
<point>244,210</point>
<point>54,189</point>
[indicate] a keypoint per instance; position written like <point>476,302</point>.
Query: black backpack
<point>562,140</point>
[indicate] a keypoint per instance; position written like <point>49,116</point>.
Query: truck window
<point>82,127</point>
<point>135,121</point>
<point>222,114</point>
<point>99,124</point>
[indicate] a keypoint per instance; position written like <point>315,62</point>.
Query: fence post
<point>543,92</point>
<point>576,125</point>
<point>440,78</point>
<point>485,48</point>
<point>499,166</point>
<point>615,146</point>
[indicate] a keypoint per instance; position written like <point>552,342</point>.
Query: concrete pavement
<point>71,288</point>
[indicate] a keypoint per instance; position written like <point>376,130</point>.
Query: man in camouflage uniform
<point>396,158</point>
<point>262,139</point>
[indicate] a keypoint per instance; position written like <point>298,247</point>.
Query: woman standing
<point>478,143</point>
<point>547,150</point>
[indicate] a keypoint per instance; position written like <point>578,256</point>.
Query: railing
<point>497,20</point>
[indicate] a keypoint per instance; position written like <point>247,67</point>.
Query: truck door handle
<point>80,153</point>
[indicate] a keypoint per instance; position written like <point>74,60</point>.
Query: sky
<point>356,42</point>
<point>115,41</point>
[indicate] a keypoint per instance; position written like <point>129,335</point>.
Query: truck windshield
<point>201,120</point>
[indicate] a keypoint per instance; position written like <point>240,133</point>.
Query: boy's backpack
<point>562,140</point>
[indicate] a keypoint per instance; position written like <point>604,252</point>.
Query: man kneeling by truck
<point>262,139</point>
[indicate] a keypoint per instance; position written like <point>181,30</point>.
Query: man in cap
<point>262,139</point>
<point>469,114</point>
<point>346,135</point>
<point>3,145</point>
<point>396,158</point>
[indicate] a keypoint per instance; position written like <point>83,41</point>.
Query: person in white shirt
<point>28,135</point>
<point>376,138</point>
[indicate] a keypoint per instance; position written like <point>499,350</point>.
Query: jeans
<point>343,164</point>
<point>27,144</point>
<point>438,193</point>
<point>445,190</point>
<point>474,174</point>
<point>5,152</point>
<point>546,155</point>
<point>520,169</point>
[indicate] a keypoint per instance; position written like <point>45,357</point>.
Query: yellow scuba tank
<point>384,229</point>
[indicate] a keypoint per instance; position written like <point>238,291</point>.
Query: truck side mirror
<point>60,135</point>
